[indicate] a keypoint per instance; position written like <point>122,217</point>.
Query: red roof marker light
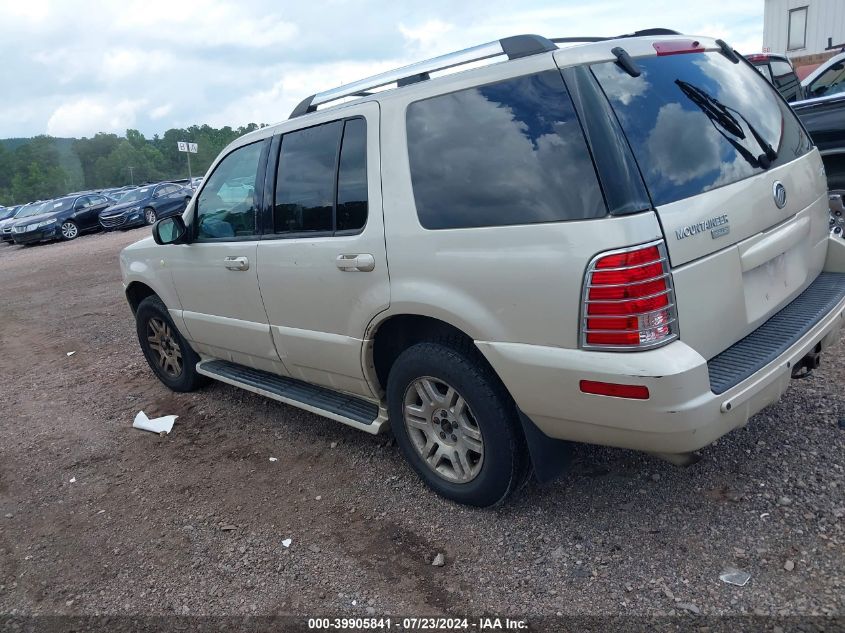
<point>678,47</point>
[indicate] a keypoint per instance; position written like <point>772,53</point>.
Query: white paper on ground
<point>157,425</point>
<point>287,542</point>
<point>71,353</point>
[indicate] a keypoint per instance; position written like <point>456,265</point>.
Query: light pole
<point>131,175</point>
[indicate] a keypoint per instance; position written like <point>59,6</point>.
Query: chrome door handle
<point>363,262</point>
<point>236,263</point>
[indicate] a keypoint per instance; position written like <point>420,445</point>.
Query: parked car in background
<point>7,222</point>
<point>145,205</point>
<point>64,218</point>
<point>823,114</point>
<point>7,212</point>
<point>827,79</point>
<point>824,118</point>
<point>779,70</point>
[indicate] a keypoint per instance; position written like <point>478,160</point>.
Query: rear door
<point>85,214</point>
<point>166,201</point>
<point>98,203</point>
<point>322,266</point>
<point>737,189</point>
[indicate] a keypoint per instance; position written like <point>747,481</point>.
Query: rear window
<point>781,68</point>
<point>506,153</point>
<point>691,120</point>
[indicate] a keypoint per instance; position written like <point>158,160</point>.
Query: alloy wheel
<point>164,344</point>
<point>69,230</point>
<point>150,216</point>
<point>443,430</point>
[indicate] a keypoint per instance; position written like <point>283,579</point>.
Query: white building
<point>807,31</point>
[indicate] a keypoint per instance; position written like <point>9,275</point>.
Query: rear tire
<point>167,352</point>
<point>456,424</point>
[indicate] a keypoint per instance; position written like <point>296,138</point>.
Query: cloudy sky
<point>77,67</point>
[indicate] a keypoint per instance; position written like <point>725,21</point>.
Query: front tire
<point>456,424</point>
<point>150,216</point>
<point>167,352</point>
<point>69,230</point>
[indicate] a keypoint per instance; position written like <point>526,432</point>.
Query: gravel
<point>194,522</point>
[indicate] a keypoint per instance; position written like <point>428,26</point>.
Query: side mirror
<point>170,230</point>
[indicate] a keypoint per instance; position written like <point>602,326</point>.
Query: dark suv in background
<point>778,69</point>
<point>64,218</point>
<point>147,204</point>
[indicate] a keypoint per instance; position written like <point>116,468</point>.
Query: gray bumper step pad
<point>775,336</point>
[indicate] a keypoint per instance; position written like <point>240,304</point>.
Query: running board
<point>351,410</point>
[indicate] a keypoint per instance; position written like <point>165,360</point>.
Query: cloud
<point>235,61</point>
<point>668,145</point>
<point>119,63</point>
<point>82,116</point>
<point>161,111</point>
<point>426,36</point>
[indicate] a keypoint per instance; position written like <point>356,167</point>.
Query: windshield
<point>697,122</point>
<point>35,208</point>
<point>6,213</point>
<point>136,194</point>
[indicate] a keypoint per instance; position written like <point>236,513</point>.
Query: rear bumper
<point>682,413</point>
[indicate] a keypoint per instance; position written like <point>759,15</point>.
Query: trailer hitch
<point>804,367</point>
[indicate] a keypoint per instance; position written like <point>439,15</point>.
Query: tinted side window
<point>506,153</point>
<point>352,177</point>
<point>780,68</point>
<point>226,206</point>
<point>305,183</point>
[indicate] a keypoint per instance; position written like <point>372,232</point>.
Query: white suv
<point>622,242</point>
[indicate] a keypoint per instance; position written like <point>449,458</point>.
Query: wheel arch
<point>136,292</point>
<point>395,333</point>
<point>388,337</point>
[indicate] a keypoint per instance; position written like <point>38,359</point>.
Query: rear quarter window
<point>506,153</point>
<point>691,121</point>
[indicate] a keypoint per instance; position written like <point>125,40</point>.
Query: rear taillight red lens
<point>629,302</point>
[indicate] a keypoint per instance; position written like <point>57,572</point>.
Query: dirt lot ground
<point>96,517</point>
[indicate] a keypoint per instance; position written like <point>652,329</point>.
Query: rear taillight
<point>629,301</point>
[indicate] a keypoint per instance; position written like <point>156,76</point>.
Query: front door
<point>323,270</point>
<point>216,274</point>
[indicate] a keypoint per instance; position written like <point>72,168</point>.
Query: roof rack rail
<point>587,38</point>
<point>514,47</point>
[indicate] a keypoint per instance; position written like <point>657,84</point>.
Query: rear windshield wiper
<point>719,113</point>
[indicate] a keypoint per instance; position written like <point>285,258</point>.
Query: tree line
<point>45,167</point>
